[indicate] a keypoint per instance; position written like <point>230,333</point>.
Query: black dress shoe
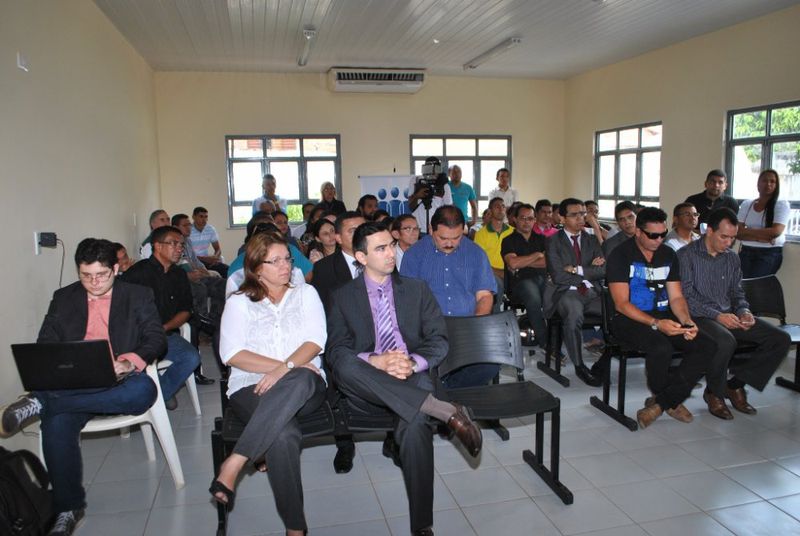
<point>423,532</point>
<point>343,461</point>
<point>199,379</point>
<point>587,377</point>
<point>391,450</point>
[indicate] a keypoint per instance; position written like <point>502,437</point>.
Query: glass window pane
<point>418,166</point>
<point>629,139</point>
<point>460,147</point>
<point>627,174</point>
<point>246,181</point>
<point>246,148</point>
<point>746,167</point>
<point>283,147</point>
<point>493,147</point>
<point>287,178</point>
<point>319,147</point>
<point>295,212</point>
<point>785,120</point>
<point>651,136</point>
<point>606,207</point>
<point>750,124</point>
<point>606,174</point>
<point>242,214</point>
<point>650,204</point>
<point>607,141</point>
<point>488,175</point>
<point>427,147</point>
<point>786,161</point>
<point>467,171</point>
<point>651,174</point>
<point>317,172</point>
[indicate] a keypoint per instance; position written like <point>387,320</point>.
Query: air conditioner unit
<point>356,80</point>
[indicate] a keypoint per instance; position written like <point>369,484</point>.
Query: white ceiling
<point>561,38</point>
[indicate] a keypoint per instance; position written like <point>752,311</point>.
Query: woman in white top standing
<point>762,226</point>
<point>271,335</point>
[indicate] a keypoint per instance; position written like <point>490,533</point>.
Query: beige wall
<point>78,152</point>
<point>197,110</point>
<point>689,87</point>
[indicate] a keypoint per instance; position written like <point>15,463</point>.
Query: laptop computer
<point>46,366</point>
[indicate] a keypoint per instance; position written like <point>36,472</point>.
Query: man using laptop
<point>95,307</point>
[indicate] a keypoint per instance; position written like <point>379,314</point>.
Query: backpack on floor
<point>26,504</point>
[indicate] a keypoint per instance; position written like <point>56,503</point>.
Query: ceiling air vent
<point>376,80</point>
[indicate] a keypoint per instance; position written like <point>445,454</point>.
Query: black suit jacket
<point>133,321</point>
<point>560,253</point>
<point>351,329</point>
<point>330,273</point>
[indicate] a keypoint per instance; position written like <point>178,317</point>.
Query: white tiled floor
<point>708,477</point>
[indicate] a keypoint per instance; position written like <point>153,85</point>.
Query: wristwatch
<point>654,324</point>
<point>574,269</point>
<point>289,364</point>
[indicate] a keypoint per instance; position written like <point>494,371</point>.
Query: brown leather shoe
<point>717,406</point>
<point>738,398</point>
<point>647,415</point>
<point>680,413</point>
<point>467,431</point>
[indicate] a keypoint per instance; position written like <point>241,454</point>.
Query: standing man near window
<point>713,197</point>
<point>463,195</point>
<point>504,189</point>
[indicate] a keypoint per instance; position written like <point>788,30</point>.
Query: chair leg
<point>125,433</point>
<point>147,435</point>
<point>191,388</point>
<point>499,429</point>
<point>218,453</point>
<point>618,413</point>
<point>550,357</point>
<point>534,459</point>
<point>163,430</point>
<point>788,384</point>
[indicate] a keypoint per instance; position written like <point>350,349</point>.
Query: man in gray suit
<point>384,333</point>
<point>576,268</point>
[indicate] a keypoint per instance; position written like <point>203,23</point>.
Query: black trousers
<point>273,432</point>
<point>670,388</point>
<point>754,368</point>
<point>365,384</point>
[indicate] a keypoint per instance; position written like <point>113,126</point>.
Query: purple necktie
<point>384,324</point>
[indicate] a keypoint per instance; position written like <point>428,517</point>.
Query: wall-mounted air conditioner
<point>354,80</point>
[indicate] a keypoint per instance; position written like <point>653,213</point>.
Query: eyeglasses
<point>177,244</point>
<point>278,261</point>
<point>576,214</point>
<point>525,218</point>
<point>99,278</point>
<point>409,229</point>
<point>655,236</point>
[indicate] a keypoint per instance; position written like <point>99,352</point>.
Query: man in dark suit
<point>576,268</point>
<point>384,333</point>
<point>93,308</point>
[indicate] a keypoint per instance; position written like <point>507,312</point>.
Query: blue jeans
<point>66,412</point>
<point>185,359</point>
<point>758,262</point>
<point>529,292</point>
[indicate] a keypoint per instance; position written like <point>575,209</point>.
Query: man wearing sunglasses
<point>652,315</point>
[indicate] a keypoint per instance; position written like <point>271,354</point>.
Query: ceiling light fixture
<point>310,35</point>
<point>509,43</point>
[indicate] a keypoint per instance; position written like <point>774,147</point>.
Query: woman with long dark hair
<point>272,334</point>
<point>324,243</point>
<point>762,226</point>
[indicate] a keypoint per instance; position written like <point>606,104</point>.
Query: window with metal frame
<point>627,166</point>
<point>300,164</point>
<point>478,156</point>
<point>766,137</point>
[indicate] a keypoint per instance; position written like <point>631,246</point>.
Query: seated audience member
<point>268,185</point>
<point>324,243</point>
<point>460,277</point>
<point>268,207</point>
<point>486,217</point>
<point>329,202</point>
<point>367,205</point>
<point>593,224</point>
<point>504,189</point>
<point>384,334</point>
<point>463,196</point>
<point>576,267</point>
<point>281,220</point>
<point>524,255</point>
<point>558,221</point>
<point>89,310</point>
<point>417,196</point>
<point>684,222</point>
<point>762,228</point>
<point>203,236</point>
<point>405,231</point>
<point>625,215</point>
<point>381,215</point>
<point>490,238</point>
<point>713,197</point>
<point>544,218</point>
<point>158,218</point>
<point>123,260</point>
<point>316,214</point>
<point>711,279</point>
<point>273,379</point>
<point>173,296</point>
<point>300,230</point>
<point>511,213</point>
<point>652,316</point>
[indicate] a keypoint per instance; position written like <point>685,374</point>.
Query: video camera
<point>431,179</point>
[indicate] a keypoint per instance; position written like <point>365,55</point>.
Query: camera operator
<point>430,191</point>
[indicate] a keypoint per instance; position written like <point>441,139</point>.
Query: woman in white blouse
<point>271,335</point>
<point>762,226</point>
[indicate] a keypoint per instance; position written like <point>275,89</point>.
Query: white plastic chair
<point>191,387</point>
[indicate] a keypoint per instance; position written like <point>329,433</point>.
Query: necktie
<point>581,288</point>
<point>384,324</point>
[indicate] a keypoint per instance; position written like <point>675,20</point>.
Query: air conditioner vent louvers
<point>367,76</point>
<point>372,80</point>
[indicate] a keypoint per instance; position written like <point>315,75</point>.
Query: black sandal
<point>219,487</point>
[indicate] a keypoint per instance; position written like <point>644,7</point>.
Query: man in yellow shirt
<point>490,239</point>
